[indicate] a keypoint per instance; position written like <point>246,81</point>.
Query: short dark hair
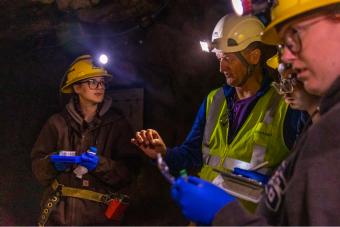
<point>267,51</point>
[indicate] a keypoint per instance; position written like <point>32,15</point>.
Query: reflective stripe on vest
<point>216,107</point>
<point>259,151</point>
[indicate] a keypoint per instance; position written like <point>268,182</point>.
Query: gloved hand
<point>90,161</point>
<point>199,200</point>
<point>252,175</point>
<point>61,166</point>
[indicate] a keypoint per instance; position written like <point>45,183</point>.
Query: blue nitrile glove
<point>252,175</point>
<point>199,200</point>
<point>89,159</point>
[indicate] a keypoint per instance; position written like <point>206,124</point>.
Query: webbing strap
<point>61,190</point>
<point>48,206</point>
<point>79,193</point>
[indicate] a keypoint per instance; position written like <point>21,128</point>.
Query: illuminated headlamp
<point>101,59</point>
<point>245,7</point>
<point>206,46</point>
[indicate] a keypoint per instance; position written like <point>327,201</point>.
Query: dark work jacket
<point>116,169</point>
<point>305,188</point>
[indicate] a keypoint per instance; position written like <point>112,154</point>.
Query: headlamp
<point>103,59</point>
<point>206,46</point>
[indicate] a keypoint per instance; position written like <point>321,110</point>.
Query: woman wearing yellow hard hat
<point>82,68</point>
<point>83,155</point>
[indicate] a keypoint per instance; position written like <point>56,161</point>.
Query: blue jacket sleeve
<point>188,155</point>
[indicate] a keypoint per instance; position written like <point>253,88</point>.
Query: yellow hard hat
<point>82,68</point>
<point>273,62</point>
<point>284,10</point>
<point>233,33</point>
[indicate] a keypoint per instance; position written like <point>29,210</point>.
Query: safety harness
<point>60,190</point>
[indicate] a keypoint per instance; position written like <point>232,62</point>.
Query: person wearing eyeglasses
<point>304,190</point>
<point>293,91</point>
<point>83,155</point>
<point>242,124</point>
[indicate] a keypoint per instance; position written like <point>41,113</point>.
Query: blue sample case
<point>65,159</point>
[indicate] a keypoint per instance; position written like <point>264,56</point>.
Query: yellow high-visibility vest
<point>259,139</point>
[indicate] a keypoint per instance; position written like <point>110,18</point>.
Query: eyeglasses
<point>228,57</point>
<point>292,40</point>
<point>285,86</point>
<point>287,79</point>
<point>94,84</point>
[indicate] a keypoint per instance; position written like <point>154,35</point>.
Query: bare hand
<point>150,142</point>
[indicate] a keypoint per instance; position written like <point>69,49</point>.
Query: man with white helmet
<point>83,156</point>
<point>242,124</point>
<point>305,188</point>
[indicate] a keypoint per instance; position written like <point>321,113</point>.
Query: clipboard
<point>239,186</point>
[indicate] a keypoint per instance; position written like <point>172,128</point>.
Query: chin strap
<point>250,67</point>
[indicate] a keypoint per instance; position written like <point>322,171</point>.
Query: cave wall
<point>38,42</point>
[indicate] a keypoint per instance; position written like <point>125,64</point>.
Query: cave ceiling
<point>34,20</point>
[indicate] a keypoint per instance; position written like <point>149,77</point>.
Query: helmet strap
<point>250,67</point>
